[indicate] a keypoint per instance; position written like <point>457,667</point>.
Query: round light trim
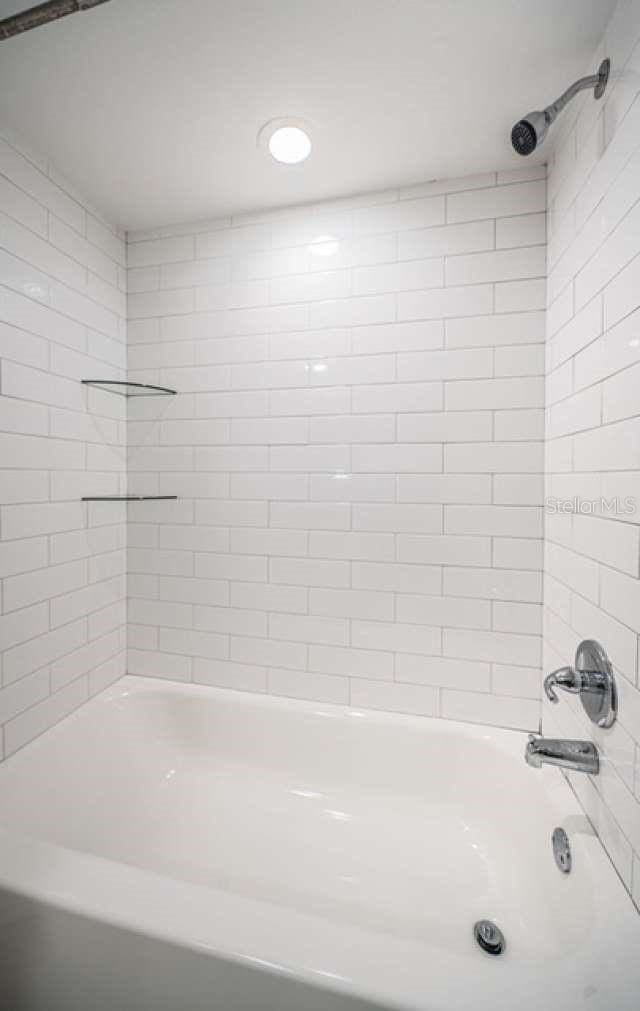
<point>287,140</point>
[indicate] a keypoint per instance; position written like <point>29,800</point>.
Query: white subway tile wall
<point>357,447</point>
<point>62,562</point>
<point>592,554</point>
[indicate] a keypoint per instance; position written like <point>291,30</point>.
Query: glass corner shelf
<point>126,389</point>
<point>126,498</point>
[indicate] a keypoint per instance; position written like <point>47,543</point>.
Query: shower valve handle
<point>567,678</point>
<point>591,678</point>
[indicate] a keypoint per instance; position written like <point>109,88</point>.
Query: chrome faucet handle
<point>591,677</point>
<point>567,678</point>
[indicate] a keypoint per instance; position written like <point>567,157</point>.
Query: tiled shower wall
<point>593,426</point>
<point>62,563</point>
<point>356,445</point>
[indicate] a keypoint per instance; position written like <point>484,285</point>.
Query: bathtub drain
<point>489,937</point>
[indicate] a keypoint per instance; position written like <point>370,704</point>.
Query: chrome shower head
<point>530,131</point>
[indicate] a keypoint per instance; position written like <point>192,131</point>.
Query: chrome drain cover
<point>489,937</point>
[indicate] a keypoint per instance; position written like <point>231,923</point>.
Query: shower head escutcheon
<point>530,131</point>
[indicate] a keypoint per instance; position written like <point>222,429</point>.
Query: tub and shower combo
<point>178,847</point>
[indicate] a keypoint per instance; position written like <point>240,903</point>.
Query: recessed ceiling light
<point>289,144</point>
<point>286,140</point>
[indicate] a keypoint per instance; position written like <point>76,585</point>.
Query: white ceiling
<point>152,107</point>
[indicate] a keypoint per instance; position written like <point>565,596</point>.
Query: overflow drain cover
<point>489,937</point>
<point>561,850</point>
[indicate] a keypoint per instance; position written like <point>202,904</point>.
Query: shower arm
<point>596,81</point>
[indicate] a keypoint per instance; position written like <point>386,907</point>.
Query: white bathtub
<point>181,847</point>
